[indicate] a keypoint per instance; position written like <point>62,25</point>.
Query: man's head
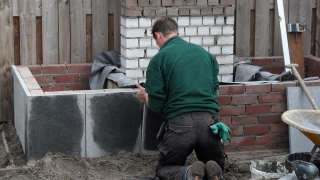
<point>163,29</point>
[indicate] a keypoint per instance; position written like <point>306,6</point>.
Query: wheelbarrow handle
<point>303,85</point>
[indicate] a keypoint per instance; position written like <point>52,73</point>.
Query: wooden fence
<point>257,26</point>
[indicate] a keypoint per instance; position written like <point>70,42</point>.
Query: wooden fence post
<point>6,59</point>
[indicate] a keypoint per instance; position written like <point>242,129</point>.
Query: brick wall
<point>62,77</point>
<point>208,23</point>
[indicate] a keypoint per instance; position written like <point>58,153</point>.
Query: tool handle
<point>303,86</point>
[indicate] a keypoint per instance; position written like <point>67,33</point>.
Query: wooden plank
<point>38,7</point>
<point>294,11</point>
<point>277,46</point>
<point>50,31</point>
<point>39,40</point>
<point>64,32</point>
<point>27,32</point>
<point>115,9</point>
<point>99,26</point>
<point>296,51</point>
<point>318,30</point>
<point>77,28</point>
<point>16,39</point>
<point>111,31</point>
<point>243,28</point>
<point>87,6</point>
<point>89,38</point>
<point>262,31</point>
<point>6,55</point>
<point>305,18</point>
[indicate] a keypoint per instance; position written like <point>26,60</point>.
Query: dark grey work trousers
<point>182,135</point>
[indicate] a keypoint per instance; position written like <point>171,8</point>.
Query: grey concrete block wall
<point>113,122</point>
<point>56,123</point>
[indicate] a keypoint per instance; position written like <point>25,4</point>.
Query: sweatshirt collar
<point>170,40</point>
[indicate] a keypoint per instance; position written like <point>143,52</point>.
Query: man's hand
<point>141,94</point>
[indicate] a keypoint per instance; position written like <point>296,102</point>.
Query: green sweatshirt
<point>182,77</point>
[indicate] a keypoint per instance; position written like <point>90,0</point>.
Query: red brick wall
<point>312,66</point>
<point>155,8</point>
<point>254,115</point>
<point>62,77</point>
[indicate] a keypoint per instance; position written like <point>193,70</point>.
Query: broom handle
<point>303,86</point>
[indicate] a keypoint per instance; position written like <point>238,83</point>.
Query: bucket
<point>303,156</point>
<point>267,169</point>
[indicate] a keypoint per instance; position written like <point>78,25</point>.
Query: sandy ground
<point>122,166</point>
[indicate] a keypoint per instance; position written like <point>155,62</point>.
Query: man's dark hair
<point>165,25</point>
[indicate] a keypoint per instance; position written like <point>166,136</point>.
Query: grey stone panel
<point>298,100</point>
<point>113,123</point>
<point>56,124</point>
<point>20,109</point>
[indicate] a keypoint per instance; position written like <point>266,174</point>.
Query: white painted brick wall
<point>213,33</point>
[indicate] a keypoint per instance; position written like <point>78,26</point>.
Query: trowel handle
<point>303,85</point>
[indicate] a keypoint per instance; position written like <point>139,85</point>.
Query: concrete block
<point>227,50</point>
<point>132,53</point>
<point>129,43</point>
<point>204,31</point>
<point>131,64</point>
<point>183,21</point>
<point>144,22</point>
<point>228,30</point>
<point>151,52</point>
<point>215,50</point>
<point>209,41</point>
<point>225,40</point>
<point>143,63</point>
<point>216,30</point>
<point>208,20</point>
<point>113,123</point>
<point>196,40</point>
<point>220,20</point>
<point>191,31</point>
<point>56,124</point>
<point>145,42</point>
<point>195,21</point>
<point>226,69</point>
<point>134,73</point>
<point>132,33</point>
<point>225,59</point>
<point>130,22</point>
<point>230,20</point>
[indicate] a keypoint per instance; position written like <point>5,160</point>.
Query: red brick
<point>79,68</point>
<point>232,110</point>
<point>79,86</point>
<point>224,100</point>
<point>269,119</point>
<point>236,131</point>
<point>136,12</point>
<point>202,2</point>
<point>167,2</point>
<point>172,11</point>
<point>68,78</point>
<point>270,139</point>
<point>260,88</point>
<point>129,3</point>
<point>155,3</point>
<point>195,11</point>
<point>271,98</point>
<point>279,128</point>
<point>244,99</point>
<point>231,89</point>
<point>226,120</point>
<point>161,11</point>
<point>244,120</point>
<point>213,2</point>
<point>44,79</point>
<point>149,12</point>
<point>256,130</point>
<point>184,11</point>
<point>243,141</point>
<point>282,86</point>
<point>206,11</point>
<point>229,11</point>
<point>143,3</point>
<point>227,2</point>
<point>257,109</point>
<point>36,69</point>
<point>179,2</point>
<point>278,108</point>
<point>217,10</point>
<point>54,69</point>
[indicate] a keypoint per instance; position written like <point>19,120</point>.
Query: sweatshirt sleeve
<point>215,70</point>
<point>155,85</point>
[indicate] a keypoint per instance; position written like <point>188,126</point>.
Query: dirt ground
<point>122,166</point>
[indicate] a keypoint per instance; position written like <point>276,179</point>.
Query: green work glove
<point>222,129</point>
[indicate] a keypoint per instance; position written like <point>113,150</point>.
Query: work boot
<point>213,170</point>
<point>197,170</point>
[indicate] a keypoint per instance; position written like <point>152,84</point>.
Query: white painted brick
<point>133,53</point>
<point>225,59</point>
<point>144,22</point>
<point>195,21</point>
<point>183,21</point>
<point>129,43</point>
<point>215,50</point>
<point>225,40</point>
<point>186,39</point>
<point>133,33</point>
<point>220,20</point>
<point>151,52</point>
<point>131,64</point>
<point>230,20</point>
<point>149,32</point>
<point>130,22</point>
<point>226,69</point>
<point>181,31</point>
<point>227,50</point>
<point>196,40</point>
<point>227,78</point>
<point>208,20</point>
<point>134,73</point>
<point>219,77</point>
<point>228,30</point>
<point>145,42</point>
<point>143,80</point>
<point>209,41</point>
<point>204,30</point>
<point>216,30</point>
<point>206,48</point>
<point>191,31</point>
<point>143,63</point>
